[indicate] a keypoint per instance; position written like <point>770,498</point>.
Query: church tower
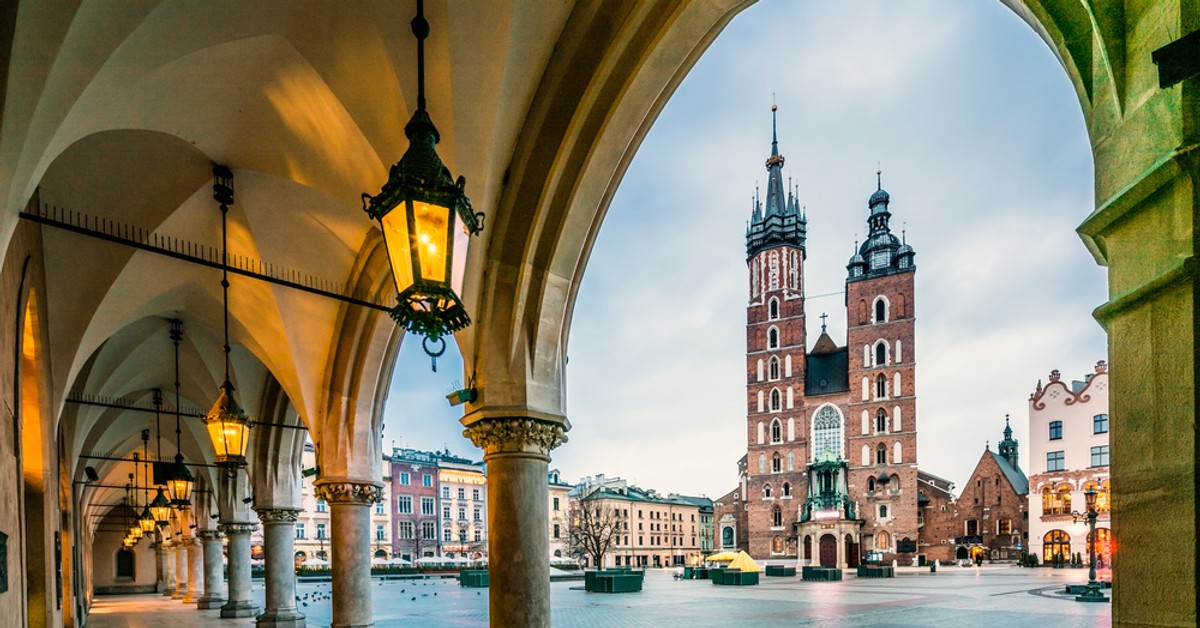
<point>882,431</point>
<point>775,362</point>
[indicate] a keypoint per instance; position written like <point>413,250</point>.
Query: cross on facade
<point>823,317</point>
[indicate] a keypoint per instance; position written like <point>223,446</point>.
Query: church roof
<point>1015,476</point>
<point>827,373</point>
<point>825,344</point>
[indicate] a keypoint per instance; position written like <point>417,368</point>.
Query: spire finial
<point>823,317</point>
<point>904,240</point>
<point>878,177</point>
<point>774,132</point>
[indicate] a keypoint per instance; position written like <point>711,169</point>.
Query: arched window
<point>896,381</point>
<point>773,368</point>
<point>881,386</point>
<point>881,315</point>
<point>1047,501</point>
<point>776,431</point>
<point>777,542</point>
<point>772,338</point>
<point>776,463</point>
<point>883,511</point>
<point>881,454</point>
<point>760,432</point>
<point>866,455</point>
<point>880,353</point>
<point>766,490</point>
<point>1064,498</point>
<point>760,370</point>
<point>777,517</point>
<point>894,483</point>
<point>896,419</point>
<point>762,463</point>
<point>827,432</point>
<point>787,489</point>
<point>775,400</point>
<point>862,311</point>
<point>897,453</point>
<point>900,305</point>
<point>883,540</point>
<point>881,421</point>
<point>871,484</point>
<point>773,309</point>
<point>1056,543</point>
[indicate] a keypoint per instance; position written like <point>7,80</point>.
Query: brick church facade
<point>831,433</point>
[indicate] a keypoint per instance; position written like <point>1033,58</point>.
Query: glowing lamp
<point>179,484</point>
<point>228,428</point>
<point>416,210</point>
<point>161,509</point>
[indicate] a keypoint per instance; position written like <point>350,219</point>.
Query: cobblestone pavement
<point>988,596</point>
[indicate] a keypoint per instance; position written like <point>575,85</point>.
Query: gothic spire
<point>776,201</point>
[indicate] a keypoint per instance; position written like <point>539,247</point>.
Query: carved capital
<point>348,492</point>
<point>187,541</point>
<point>237,528</point>
<point>208,535</point>
<point>275,515</point>
<point>516,435</point>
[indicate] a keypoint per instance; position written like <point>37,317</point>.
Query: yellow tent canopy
<point>722,557</point>
<point>743,562</point>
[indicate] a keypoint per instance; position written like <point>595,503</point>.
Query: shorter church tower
<point>882,430</point>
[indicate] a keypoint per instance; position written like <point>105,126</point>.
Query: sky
<point>983,147</point>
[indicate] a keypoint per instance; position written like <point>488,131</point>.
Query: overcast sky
<point>984,150</point>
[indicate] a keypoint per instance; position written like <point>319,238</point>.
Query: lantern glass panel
<point>180,489</point>
<point>1090,498</point>
<point>228,436</point>
<point>395,236</point>
<point>433,231</point>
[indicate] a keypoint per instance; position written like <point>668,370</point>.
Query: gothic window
<point>774,266</point>
<point>787,488</point>
<point>871,484</point>
<point>881,454</point>
<point>772,338</point>
<point>897,453</point>
<point>880,353</point>
<point>794,270</point>
<point>883,540</point>
<point>776,431</point>
<point>881,315</point>
<point>827,432</point>
<point>881,387</point>
<point>762,463</point>
<point>773,309</point>
<point>773,368</point>
<point>776,463</point>
<point>775,400</point>
<point>883,511</point>
<point>766,490</point>
<point>777,518</point>
<point>881,421</point>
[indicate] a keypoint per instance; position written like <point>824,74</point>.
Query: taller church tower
<point>775,362</point>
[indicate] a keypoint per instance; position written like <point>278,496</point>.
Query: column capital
<point>236,528</point>
<point>517,435</point>
<point>206,535</point>
<point>342,491</point>
<point>277,515</point>
<point>186,541</point>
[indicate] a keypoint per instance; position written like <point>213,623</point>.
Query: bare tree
<point>595,528</point>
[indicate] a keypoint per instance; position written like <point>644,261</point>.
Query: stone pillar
<point>280,607</point>
<point>517,453</point>
<point>239,604</point>
<point>160,567</point>
<point>350,504</point>
<point>214,578</point>
<point>195,572</point>
<point>181,568</point>
<point>166,553</point>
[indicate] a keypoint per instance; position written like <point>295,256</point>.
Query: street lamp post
<point>1092,592</point>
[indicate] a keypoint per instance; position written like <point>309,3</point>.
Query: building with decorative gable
<point>831,431</point>
<point>1069,428</point>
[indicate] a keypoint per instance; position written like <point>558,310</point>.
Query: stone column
<point>350,504</point>
<point>166,551</point>
<point>239,604</point>
<point>195,572</point>
<point>181,568</point>
<point>517,453</point>
<point>214,578</point>
<point>160,567</point>
<point>280,607</point>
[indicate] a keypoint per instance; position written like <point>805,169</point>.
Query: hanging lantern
<point>160,508</point>
<point>229,428</point>
<point>416,210</point>
<point>179,484</point>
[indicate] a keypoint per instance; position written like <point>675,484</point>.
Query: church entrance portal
<point>829,551</point>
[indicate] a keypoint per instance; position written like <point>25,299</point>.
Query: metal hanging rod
<point>118,403</point>
<point>119,459</point>
<point>191,252</point>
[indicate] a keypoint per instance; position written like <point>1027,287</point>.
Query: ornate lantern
<point>416,210</point>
